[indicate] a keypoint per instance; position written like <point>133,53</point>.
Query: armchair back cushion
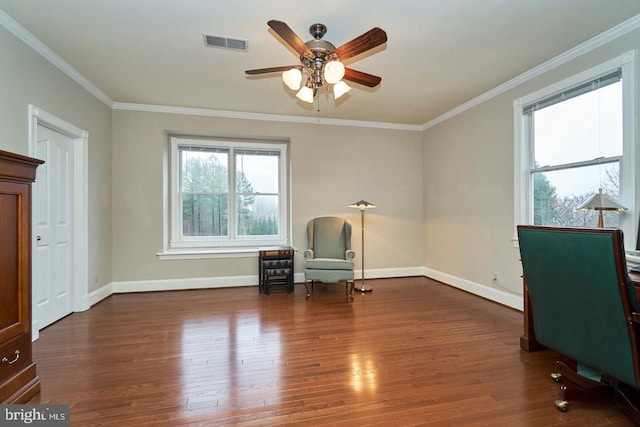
<point>329,237</point>
<point>582,299</point>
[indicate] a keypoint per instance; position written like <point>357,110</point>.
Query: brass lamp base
<point>363,289</point>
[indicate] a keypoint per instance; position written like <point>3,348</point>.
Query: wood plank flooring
<point>412,352</point>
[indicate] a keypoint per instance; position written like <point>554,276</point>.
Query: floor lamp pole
<point>363,206</point>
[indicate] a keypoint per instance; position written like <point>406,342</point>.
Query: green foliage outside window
<point>205,199</point>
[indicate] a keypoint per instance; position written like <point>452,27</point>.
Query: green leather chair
<point>584,307</point>
<point>329,258</point>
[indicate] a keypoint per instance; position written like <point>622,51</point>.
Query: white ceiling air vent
<point>225,42</point>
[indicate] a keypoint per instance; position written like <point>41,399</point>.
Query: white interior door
<point>53,227</point>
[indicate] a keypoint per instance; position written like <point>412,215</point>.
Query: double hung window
<point>574,139</point>
<point>576,144</point>
<point>227,194</point>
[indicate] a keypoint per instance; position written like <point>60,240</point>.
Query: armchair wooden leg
<point>306,287</point>
<point>351,285</point>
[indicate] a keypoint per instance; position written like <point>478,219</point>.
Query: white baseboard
<point>182,284</point>
<point>170,285</point>
<point>100,294</point>
<point>493,294</point>
<point>501,297</point>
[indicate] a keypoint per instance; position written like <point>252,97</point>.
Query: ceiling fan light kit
<point>321,62</point>
<point>340,88</point>
<point>333,71</point>
<point>292,78</point>
<point>306,94</point>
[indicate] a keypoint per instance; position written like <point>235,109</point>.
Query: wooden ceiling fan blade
<point>271,69</point>
<point>361,78</point>
<point>372,38</point>
<point>287,34</point>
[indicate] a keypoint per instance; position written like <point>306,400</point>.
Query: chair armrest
<point>349,254</point>
<point>308,254</point>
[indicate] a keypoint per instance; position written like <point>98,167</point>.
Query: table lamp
<point>601,202</point>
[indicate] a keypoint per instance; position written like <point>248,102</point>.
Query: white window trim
<point>198,248</point>
<point>629,191</point>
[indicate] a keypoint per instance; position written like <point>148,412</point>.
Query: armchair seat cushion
<point>328,264</point>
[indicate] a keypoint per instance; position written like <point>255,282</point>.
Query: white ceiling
<point>439,54</point>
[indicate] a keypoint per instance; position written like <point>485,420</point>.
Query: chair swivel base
<point>579,387</point>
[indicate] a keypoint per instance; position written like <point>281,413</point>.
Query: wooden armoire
<point>18,379</point>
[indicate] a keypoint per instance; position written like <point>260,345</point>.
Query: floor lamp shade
<point>363,206</point>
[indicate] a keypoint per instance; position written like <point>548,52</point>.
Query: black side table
<point>275,267</point>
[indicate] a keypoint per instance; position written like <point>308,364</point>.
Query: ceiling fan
<point>321,62</point>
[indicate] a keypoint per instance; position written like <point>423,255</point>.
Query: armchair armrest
<point>349,254</point>
<point>308,254</point>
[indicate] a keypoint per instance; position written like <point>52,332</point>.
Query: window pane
<point>204,186</point>
<point>204,215</point>
<point>257,187</point>
<point>204,171</point>
<point>257,215</point>
<point>582,128</point>
<point>557,194</point>
<point>258,172</point>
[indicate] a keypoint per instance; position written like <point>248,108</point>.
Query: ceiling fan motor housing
<point>321,50</point>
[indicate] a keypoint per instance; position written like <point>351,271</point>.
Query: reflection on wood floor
<point>412,352</point>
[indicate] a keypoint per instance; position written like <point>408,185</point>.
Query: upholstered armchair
<point>329,258</point>
<point>585,308</point>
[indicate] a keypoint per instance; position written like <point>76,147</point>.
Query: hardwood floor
<point>412,352</point>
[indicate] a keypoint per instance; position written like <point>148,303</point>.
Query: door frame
<point>80,210</point>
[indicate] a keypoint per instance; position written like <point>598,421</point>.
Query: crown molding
<point>613,33</point>
<point>583,48</point>
<point>259,116</point>
<point>30,40</point>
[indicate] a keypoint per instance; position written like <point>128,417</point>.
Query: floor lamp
<point>363,206</point>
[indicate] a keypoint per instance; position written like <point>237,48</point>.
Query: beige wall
<point>331,166</point>
<point>468,170</point>
<point>26,78</point>
<point>445,195</point>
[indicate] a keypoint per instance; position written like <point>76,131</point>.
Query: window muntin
<point>206,213</point>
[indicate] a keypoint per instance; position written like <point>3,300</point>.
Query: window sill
<point>212,253</point>
<point>177,254</point>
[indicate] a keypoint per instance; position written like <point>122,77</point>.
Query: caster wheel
<point>562,405</point>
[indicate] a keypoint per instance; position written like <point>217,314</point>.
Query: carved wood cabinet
<point>18,379</point>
